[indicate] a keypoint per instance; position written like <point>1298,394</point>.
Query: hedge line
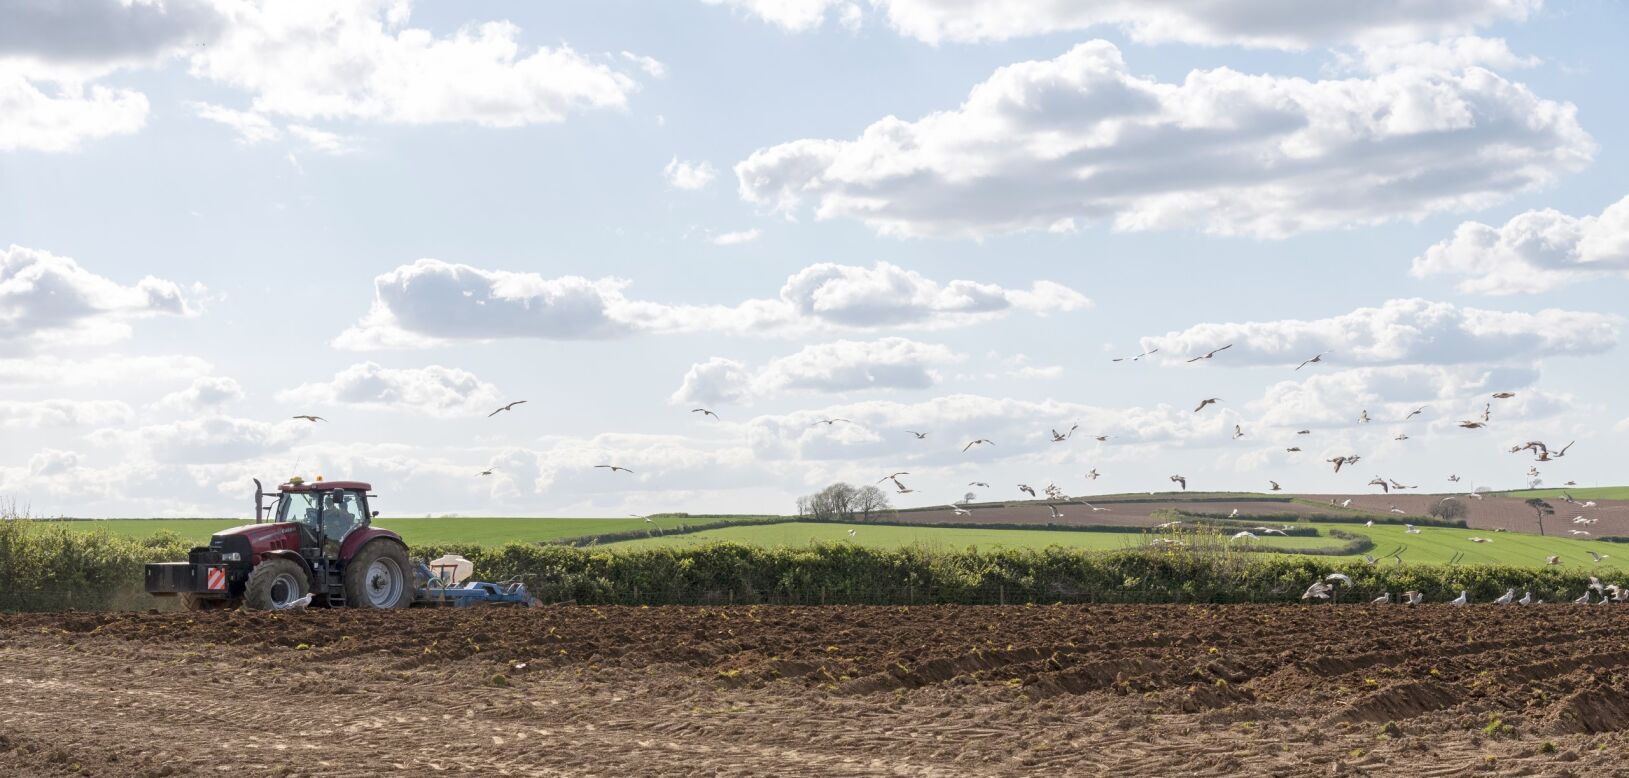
<point>45,568</point>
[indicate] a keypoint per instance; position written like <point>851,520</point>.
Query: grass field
<point>1432,546</point>
<point>417,531</point>
<point>1584,493</point>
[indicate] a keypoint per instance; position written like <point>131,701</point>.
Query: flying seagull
<point>1503,395</point>
<point>1211,353</point>
<point>485,472</point>
<point>1203,403</point>
<point>509,407</point>
<point>1027,488</point>
<point>1092,474</point>
<point>1415,412</point>
<point>1381,482</point>
<point>1180,480</point>
<point>980,484</point>
<point>1293,449</point>
<point>975,443</point>
<point>1472,425</point>
<point>704,412</point>
<point>1056,514</point>
<point>919,435</point>
<point>1313,361</point>
<point>960,511</point>
<point>1135,358</point>
<point>1303,432</point>
<point>312,419</point>
<point>1338,461</point>
<point>614,468</point>
<point>1059,437</point>
<point>1276,487</point>
<point>892,477</point>
<point>829,422</point>
<point>1238,432</point>
<point>1363,418</point>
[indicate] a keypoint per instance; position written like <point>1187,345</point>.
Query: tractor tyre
<point>275,583</point>
<point>195,602</point>
<point>378,577</point>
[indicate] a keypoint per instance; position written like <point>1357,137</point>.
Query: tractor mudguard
<point>356,540</point>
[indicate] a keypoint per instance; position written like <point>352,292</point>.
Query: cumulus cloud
<point>206,393</point>
<point>432,390</point>
<point>322,140</point>
<point>47,299</point>
<point>16,414</point>
<point>104,370</point>
<point>1450,54</point>
<point>91,33</point>
<point>38,115</point>
<point>1534,251</point>
<point>359,60</point>
<point>1282,24</point>
<point>1050,145</point>
<point>839,366</point>
<point>736,238</point>
<point>1397,332</point>
<point>688,175</point>
<point>205,440</point>
<point>1389,394</point>
<point>431,302</point>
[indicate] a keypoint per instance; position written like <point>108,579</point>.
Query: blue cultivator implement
<point>434,591</point>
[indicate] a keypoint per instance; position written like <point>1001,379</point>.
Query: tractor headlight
<point>231,556</point>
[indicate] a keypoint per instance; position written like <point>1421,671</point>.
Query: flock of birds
<point>1056,499</point>
<point>1609,593</point>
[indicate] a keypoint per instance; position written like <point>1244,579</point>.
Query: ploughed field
<point>935,690</point>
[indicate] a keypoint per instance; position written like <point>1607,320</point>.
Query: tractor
<point>314,539</point>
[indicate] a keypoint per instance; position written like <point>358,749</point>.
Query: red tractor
<point>318,542</point>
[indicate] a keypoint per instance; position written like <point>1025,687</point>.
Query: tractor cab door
<point>304,510</point>
<point>343,511</point>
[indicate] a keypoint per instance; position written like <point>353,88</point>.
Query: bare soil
<point>941,690</point>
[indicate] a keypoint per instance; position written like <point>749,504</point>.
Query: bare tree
<point>1541,509</point>
<point>869,500</point>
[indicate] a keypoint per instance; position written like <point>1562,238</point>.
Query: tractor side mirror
<point>376,514</point>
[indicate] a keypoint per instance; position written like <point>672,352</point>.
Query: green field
<point>1432,546</point>
<point>417,532</point>
<point>1582,493</point>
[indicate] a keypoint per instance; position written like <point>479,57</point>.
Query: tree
<point>1541,509</point>
<point>833,503</point>
<point>1448,510</point>
<point>868,500</point>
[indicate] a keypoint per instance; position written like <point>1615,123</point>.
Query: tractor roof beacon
<point>313,538</point>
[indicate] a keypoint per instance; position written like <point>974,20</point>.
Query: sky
<point>940,216</point>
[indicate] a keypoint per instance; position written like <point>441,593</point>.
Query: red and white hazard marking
<point>217,578</point>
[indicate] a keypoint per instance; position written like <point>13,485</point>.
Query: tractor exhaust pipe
<point>260,501</point>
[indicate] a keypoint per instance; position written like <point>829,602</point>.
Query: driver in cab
<point>337,520</point>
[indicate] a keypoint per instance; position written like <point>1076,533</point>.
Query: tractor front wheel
<point>378,577</point>
<point>275,583</point>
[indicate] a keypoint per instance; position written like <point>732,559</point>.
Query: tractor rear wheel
<point>275,583</point>
<point>378,577</point>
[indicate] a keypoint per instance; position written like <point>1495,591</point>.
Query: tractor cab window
<point>300,507</point>
<point>334,513</point>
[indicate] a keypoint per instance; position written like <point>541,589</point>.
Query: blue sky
<point>915,214</point>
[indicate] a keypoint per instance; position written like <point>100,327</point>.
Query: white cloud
<point>652,66</point>
<point>1284,24</point>
<point>681,174</point>
<point>205,440</point>
<point>205,393</point>
<point>47,299</point>
<point>1397,332</point>
<point>1533,252</point>
<point>250,127</point>
<point>322,140</point>
<point>105,370</point>
<point>359,60</point>
<point>432,390</point>
<point>36,115</point>
<point>839,366</point>
<point>1451,54</point>
<point>793,15</point>
<point>737,238</point>
<point>101,33</point>
<point>16,414</point>
<point>52,462</point>
<point>1049,145</point>
<point>1389,394</point>
<point>431,302</point>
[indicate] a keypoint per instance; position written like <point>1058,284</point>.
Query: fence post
<point>1003,594</point>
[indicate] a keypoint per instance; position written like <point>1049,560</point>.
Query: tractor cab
<point>325,514</point>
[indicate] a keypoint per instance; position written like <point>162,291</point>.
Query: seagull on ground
<point>1476,539</point>
<point>1414,598</point>
<point>1527,599</point>
<point>1383,599</point>
<point>1462,599</point>
<point>1506,598</point>
<point>1410,529</point>
<point>1584,600</point>
<point>1242,534</point>
<point>1554,559</point>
